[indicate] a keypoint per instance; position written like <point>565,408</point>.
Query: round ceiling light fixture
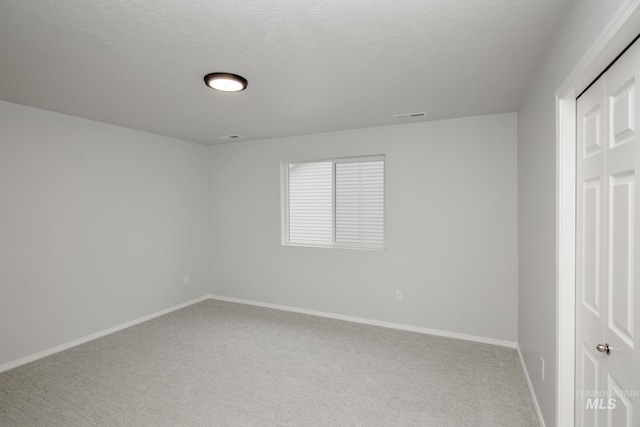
<point>226,82</point>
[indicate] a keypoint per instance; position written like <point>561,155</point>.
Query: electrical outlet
<point>541,368</point>
<point>186,280</point>
<point>399,296</point>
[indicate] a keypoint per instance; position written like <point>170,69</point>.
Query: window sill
<point>357,248</point>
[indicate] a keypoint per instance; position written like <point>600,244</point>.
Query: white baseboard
<point>398,326</point>
<point>530,385</point>
<point>59,348</point>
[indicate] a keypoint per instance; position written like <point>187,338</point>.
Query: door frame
<point>622,28</point>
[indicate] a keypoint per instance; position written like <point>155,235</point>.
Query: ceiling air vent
<point>230,137</point>
<point>409,116</point>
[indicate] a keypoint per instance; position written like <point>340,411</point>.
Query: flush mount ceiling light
<point>226,82</point>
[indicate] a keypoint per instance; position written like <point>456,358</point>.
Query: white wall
<point>537,194</point>
<point>98,225</point>
<point>450,220</point>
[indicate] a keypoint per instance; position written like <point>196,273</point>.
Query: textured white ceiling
<point>312,65</point>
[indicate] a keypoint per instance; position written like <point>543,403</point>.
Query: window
<point>337,202</point>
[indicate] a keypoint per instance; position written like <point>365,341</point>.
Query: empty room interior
<point>335,213</point>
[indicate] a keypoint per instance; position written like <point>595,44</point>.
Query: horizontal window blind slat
<point>310,203</point>
<point>360,202</point>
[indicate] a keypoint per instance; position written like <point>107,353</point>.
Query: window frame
<point>284,175</point>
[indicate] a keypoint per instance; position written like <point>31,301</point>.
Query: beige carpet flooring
<point>222,364</point>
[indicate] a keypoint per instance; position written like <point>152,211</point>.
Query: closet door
<point>607,358</point>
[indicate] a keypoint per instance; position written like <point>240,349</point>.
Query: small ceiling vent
<point>409,116</point>
<point>230,137</point>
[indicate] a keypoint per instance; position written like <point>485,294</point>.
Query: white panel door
<point>590,310</point>
<point>607,356</point>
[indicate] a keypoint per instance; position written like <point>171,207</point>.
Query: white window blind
<point>335,203</point>
<point>360,202</point>
<point>311,203</point>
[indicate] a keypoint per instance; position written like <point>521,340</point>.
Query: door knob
<point>603,348</point>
